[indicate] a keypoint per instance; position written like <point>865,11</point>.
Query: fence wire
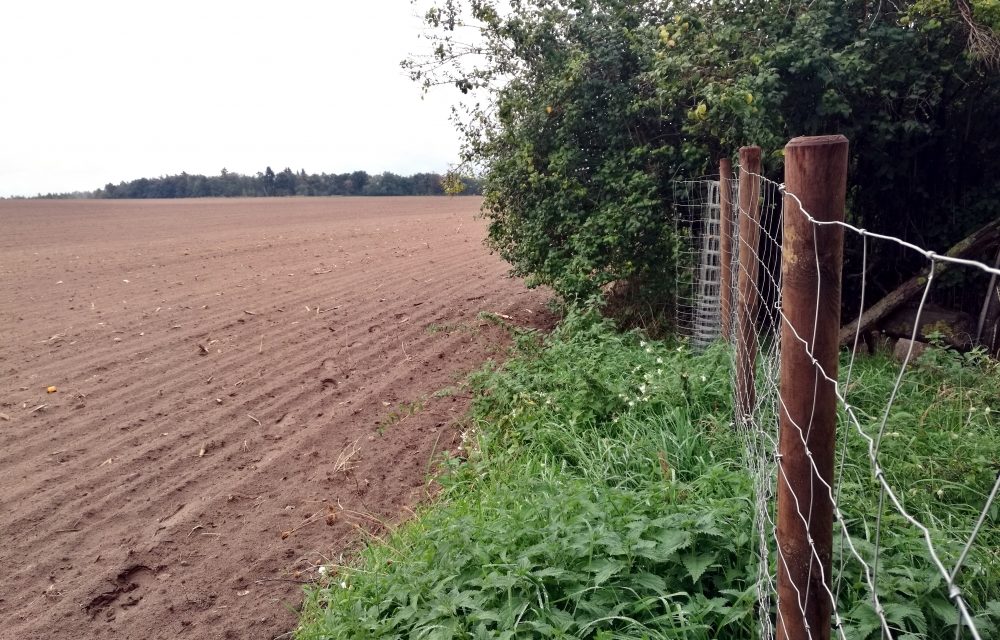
<point>951,548</point>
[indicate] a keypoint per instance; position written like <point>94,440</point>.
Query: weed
<point>401,412</point>
<point>461,327</point>
<point>449,392</point>
<point>345,459</point>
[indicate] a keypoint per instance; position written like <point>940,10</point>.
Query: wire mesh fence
<point>698,232</point>
<point>843,535</point>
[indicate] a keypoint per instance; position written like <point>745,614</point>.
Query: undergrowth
<point>604,496</point>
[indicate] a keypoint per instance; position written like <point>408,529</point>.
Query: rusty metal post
<point>748,297</point>
<point>726,248</point>
<point>815,173</point>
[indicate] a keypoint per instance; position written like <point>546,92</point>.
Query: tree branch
<point>980,240</point>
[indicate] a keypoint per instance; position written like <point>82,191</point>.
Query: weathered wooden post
<point>726,248</point>
<point>816,174</point>
<point>747,294</point>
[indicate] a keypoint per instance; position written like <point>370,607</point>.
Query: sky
<point>107,90</point>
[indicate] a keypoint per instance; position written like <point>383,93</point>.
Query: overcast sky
<point>105,91</point>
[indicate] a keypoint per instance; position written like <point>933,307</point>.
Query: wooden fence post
<point>816,174</point>
<point>726,248</point>
<point>747,294</point>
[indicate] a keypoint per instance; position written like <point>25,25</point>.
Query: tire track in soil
<point>117,525</point>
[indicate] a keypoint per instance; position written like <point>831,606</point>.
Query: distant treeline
<point>284,183</point>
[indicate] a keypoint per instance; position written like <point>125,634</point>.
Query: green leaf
<point>668,543</point>
<point>898,613</point>
<point>603,569</point>
<point>865,620</point>
<point>650,581</point>
<point>696,563</point>
<point>944,610</point>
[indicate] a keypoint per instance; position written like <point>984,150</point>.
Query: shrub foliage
<point>581,112</point>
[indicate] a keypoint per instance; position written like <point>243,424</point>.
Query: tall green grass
<point>941,453</point>
<point>604,496</point>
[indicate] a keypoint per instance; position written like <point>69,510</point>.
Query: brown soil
<point>216,361</point>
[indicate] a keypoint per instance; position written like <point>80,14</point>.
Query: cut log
<point>984,238</point>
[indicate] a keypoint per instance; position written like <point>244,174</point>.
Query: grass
<point>605,496</point>
<point>401,412</point>
<point>941,453</point>
<point>462,327</point>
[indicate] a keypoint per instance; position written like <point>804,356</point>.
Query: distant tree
<point>359,179</point>
<point>228,184</point>
<point>199,187</point>
<point>426,184</point>
<point>306,185</point>
<point>269,180</point>
<point>284,183</point>
<point>389,184</point>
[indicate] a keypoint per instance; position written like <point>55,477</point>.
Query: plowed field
<point>243,389</point>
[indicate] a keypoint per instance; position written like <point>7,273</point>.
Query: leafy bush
<point>582,112</point>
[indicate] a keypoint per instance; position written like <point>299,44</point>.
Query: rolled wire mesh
<point>697,229</point>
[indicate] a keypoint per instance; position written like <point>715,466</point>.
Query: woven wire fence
<point>757,259</point>
<point>892,549</point>
<point>949,552</point>
<point>698,268</point>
